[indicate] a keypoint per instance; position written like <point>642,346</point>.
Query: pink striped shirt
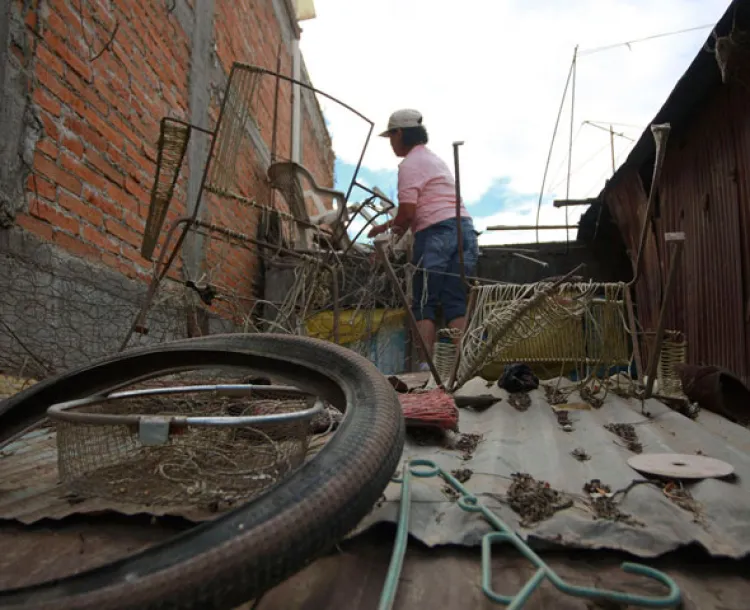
<point>425,180</point>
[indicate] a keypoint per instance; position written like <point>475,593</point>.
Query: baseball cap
<point>402,119</point>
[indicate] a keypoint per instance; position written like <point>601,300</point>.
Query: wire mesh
<point>582,324</point>
<point>202,466</point>
<point>673,351</point>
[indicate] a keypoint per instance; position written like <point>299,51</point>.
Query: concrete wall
<point>80,119</point>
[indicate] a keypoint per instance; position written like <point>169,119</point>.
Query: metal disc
<point>680,466</point>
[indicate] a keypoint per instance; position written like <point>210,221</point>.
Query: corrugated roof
<point>533,442</point>
<point>530,442</point>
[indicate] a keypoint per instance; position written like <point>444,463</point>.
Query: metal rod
<point>678,239</point>
<point>380,196</point>
<point>528,258</point>
<point>276,105</point>
<point>61,411</point>
<point>459,229</point>
<point>661,136</point>
<point>561,203</point>
<point>380,248</point>
<point>633,331</point>
<point>530,227</point>
<point>552,143</point>
<point>570,137</point>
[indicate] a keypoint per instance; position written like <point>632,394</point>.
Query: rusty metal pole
<point>459,232</point>
<point>678,239</point>
<point>380,248</point>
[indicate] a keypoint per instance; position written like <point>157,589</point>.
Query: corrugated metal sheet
<point>705,192</point>
<point>533,442</point>
<point>30,492</point>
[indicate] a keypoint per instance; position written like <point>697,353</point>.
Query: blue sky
<point>491,73</point>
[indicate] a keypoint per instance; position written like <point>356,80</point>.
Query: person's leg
<point>427,330</point>
<point>454,294</point>
<point>431,257</point>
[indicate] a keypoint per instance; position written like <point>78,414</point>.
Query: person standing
<point>427,206</point>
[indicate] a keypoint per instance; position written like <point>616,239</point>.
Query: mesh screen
<point>198,465</point>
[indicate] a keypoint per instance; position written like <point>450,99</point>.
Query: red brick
<point>74,245</point>
<point>132,187</point>
<point>105,167</point>
<point>96,237</point>
<point>72,144</point>
<point>88,135</point>
<point>49,60</point>
<point>56,23</point>
<point>41,187</point>
<point>44,211</point>
<point>122,199</point>
<point>48,147</point>
<point>102,204</point>
<point>110,260</point>
<point>47,102</point>
<point>134,222</point>
<point>58,46</point>
<point>50,127</point>
<point>52,83</point>
<point>37,227</point>
<point>124,131</point>
<point>85,92</point>
<point>86,174</point>
<point>81,209</point>
<point>58,175</point>
<point>114,100</point>
<point>122,232</point>
<point>112,136</point>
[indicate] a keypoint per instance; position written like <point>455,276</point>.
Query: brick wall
<point>93,102</point>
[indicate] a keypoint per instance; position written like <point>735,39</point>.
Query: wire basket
<point>165,446</point>
<point>673,352</point>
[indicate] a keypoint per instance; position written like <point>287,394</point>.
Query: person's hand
<point>377,230</point>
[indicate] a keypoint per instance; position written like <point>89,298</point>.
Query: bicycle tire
<point>240,555</point>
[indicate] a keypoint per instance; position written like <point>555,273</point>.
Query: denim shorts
<point>436,256</point>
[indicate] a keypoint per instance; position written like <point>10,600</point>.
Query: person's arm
<point>400,224</point>
<point>409,185</point>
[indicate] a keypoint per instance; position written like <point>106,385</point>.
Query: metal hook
<point>422,468</point>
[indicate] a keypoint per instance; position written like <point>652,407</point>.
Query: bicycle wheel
<point>236,557</point>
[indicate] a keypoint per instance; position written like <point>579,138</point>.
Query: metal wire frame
<point>161,270</point>
<point>190,223</point>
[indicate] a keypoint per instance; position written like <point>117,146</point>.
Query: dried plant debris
<point>605,507</point>
<point>627,433</point>
<point>604,503</point>
<point>468,444</point>
<point>591,397</point>
<point>682,497</point>
<point>450,493</point>
<point>533,500</point>
<point>520,401</point>
<point>580,454</point>
<point>595,486</point>
<point>462,474</point>
<point>553,395</point>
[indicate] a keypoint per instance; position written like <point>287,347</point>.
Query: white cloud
<point>491,73</point>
